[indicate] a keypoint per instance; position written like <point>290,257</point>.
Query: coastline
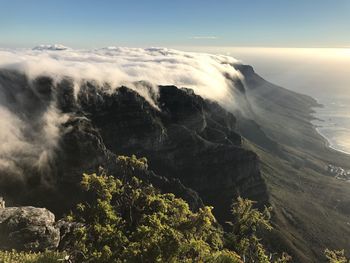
<point>297,177</point>
<point>318,127</point>
<point>328,142</point>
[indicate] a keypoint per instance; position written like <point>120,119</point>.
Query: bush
<point>336,256</point>
<point>243,237</point>
<point>130,221</point>
<point>30,257</point>
<point>126,220</point>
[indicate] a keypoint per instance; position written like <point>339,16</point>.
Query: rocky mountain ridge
<point>191,142</point>
<point>266,150</point>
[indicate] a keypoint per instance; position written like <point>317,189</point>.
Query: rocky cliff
<point>191,142</point>
<point>188,138</point>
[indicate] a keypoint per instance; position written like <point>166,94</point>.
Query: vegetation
<point>131,221</point>
<point>243,237</point>
<point>127,220</point>
<point>336,256</point>
<point>30,257</point>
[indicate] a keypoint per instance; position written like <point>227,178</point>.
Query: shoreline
<point>328,142</point>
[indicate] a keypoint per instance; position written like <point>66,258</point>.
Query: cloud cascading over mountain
<point>31,124</point>
<point>208,75</point>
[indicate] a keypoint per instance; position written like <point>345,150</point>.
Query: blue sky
<point>87,23</point>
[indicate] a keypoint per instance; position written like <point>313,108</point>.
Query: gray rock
<point>28,228</point>
<point>66,233</point>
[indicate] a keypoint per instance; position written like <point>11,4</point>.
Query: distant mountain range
<point>51,47</point>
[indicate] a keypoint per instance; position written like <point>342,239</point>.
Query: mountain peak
<point>56,47</point>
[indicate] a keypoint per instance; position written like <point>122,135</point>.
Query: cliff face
<point>191,142</point>
<point>188,138</point>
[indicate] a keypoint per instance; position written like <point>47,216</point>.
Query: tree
<point>336,256</point>
<point>130,221</point>
<point>243,237</point>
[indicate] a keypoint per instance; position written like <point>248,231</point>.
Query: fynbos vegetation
<point>131,221</point>
<point>127,220</point>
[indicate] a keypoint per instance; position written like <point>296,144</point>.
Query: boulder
<point>28,228</point>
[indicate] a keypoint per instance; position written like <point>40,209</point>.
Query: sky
<point>89,24</point>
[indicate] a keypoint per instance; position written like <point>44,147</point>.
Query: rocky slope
<point>191,142</point>
<point>191,139</point>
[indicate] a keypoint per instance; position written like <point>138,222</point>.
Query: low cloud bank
<point>30,123</point>
<point>208,75</point>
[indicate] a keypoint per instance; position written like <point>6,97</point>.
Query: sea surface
<point>323,73</point>
<point>334,122</point>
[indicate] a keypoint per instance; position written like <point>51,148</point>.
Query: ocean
<point>322,73</point>
<point>333,122</point>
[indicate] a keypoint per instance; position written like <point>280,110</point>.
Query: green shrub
<point>243,237</point>
<point>336,256</point>
<point>30,257</point>
<point>131,221</point>
<point>127,220</point>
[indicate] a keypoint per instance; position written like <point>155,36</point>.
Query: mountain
<point>265,149</point>
<point>50,47</point>
<point>188,139</point>
<point>311,207</point>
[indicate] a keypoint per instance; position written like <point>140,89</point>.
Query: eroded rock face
<point>189,138</point>
<point>191,144</point>
<point>28,228</point>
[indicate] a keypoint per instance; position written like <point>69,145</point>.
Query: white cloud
<point>204,37</point>
<point>204,73</point>
<point>29,130</point>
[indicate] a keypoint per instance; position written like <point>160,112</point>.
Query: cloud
<point>204,37</point>
<point>29,127</point>
<point>208,75</point>
<point>30,121</point>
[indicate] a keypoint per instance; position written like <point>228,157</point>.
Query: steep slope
<point>311,207</point>
<point>190,141</point>
<point>188,138</point>
<point>55,182</point>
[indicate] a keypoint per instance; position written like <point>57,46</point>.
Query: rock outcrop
<point>28,228</point>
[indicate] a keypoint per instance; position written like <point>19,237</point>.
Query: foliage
<point>243,237</point>
<point>128,165</point>
<point>30,257</point>
<point>336,256</point>
<point>130,221</point>
<point>127,220</point>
